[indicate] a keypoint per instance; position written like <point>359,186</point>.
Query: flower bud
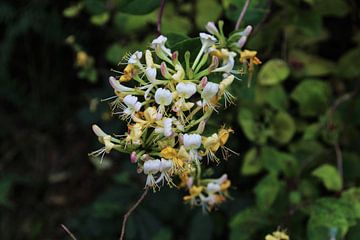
<point>133,157</point>
<point>211,28</point>
<point>241,41</point>
<point>247,30</point>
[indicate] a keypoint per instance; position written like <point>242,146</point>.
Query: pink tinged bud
<point>214,63</point>
<point>211,28</point>
<point>247,30</point>
<point>242,41</point>
<point>203,82</point>
<point>174,56</point>
<point>163,70</point>
<point>133,157</point>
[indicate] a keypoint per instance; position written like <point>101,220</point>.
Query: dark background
<point>49,99</point>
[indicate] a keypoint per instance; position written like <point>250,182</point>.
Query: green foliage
<point>273,72</point>
<point>266,191</point>
<point>312,96</point>
<point>329,175</point>
<point>286,123</point>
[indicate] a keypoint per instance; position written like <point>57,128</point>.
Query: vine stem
<point>242,14</point>
<point>161,11</point>
<point>68,232</point>
<point>126,216</point>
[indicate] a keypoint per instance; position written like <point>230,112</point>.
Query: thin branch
<point>68,232</point>
<point>126,216</point>
<point>242,14</point>
<point>161,11</point>
<point>339,160</point>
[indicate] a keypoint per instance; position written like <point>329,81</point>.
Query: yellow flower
<point>81,58</point>
<point>178,157</point>
<point>250,56</point>
<point>135,134</point>
<point>277,235</point>
<point>194,192</point>
<point>129,72</point>
<point>224,135</point>
<point>225,185</point>
<point>211,143</point>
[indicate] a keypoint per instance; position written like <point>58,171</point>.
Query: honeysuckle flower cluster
<point>167,103</point>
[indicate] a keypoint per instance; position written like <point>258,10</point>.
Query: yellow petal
<point>168,153</point>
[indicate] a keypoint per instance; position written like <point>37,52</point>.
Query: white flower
<point>180,73</point>
<point>211,28</point>
<point>228,61</point>
<point>148,58</point>
<point>207,40</point>
<point>186,90</point>
<point>151,167</point>
<point>213,188</point>
<point>165,167</point>
<point>118,87</point>
<point>192,141</point>
<point>135,58</point>
<point>166,127</point>
<point>132,103</point>
<point>150,73</point>
<point>159,45</point>
<point>163,97</point>
<point>209,91</point>
<point>98,131</point>
<point>103,138</point>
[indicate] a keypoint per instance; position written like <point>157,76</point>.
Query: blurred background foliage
<point>296,126</point>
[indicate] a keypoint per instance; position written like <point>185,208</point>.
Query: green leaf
<point>275,161</point>
<point>100,19</point>
<point>352,196</point>
<point>337,8</point>
<point>5,186</point>
<point>283,127</point>
<point>330,213</point>
<point>266,191</point>
<point>313,97</point>
<point>247,123</point>
<point>330,177</point>
<point>128,23</point>
<point>311,132</point>
<point>306,65</point>
<point>275,96</point>
<point>138,7</point>
<point>73,10</point>
<point>245,223</point>
<point>206,10</point>
<point>175,38</point>
<point>273,72</point>
<point>173,22</point>
<point>256,11</point>
<point>347,66</point>
<point>251,163</point>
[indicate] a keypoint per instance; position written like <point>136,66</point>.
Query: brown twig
<point>339,160</point>
<point>68,232</point>
<point>161,11</point>
<point>242,14</point>
<point>337,103</point>
<point>126,216</point>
